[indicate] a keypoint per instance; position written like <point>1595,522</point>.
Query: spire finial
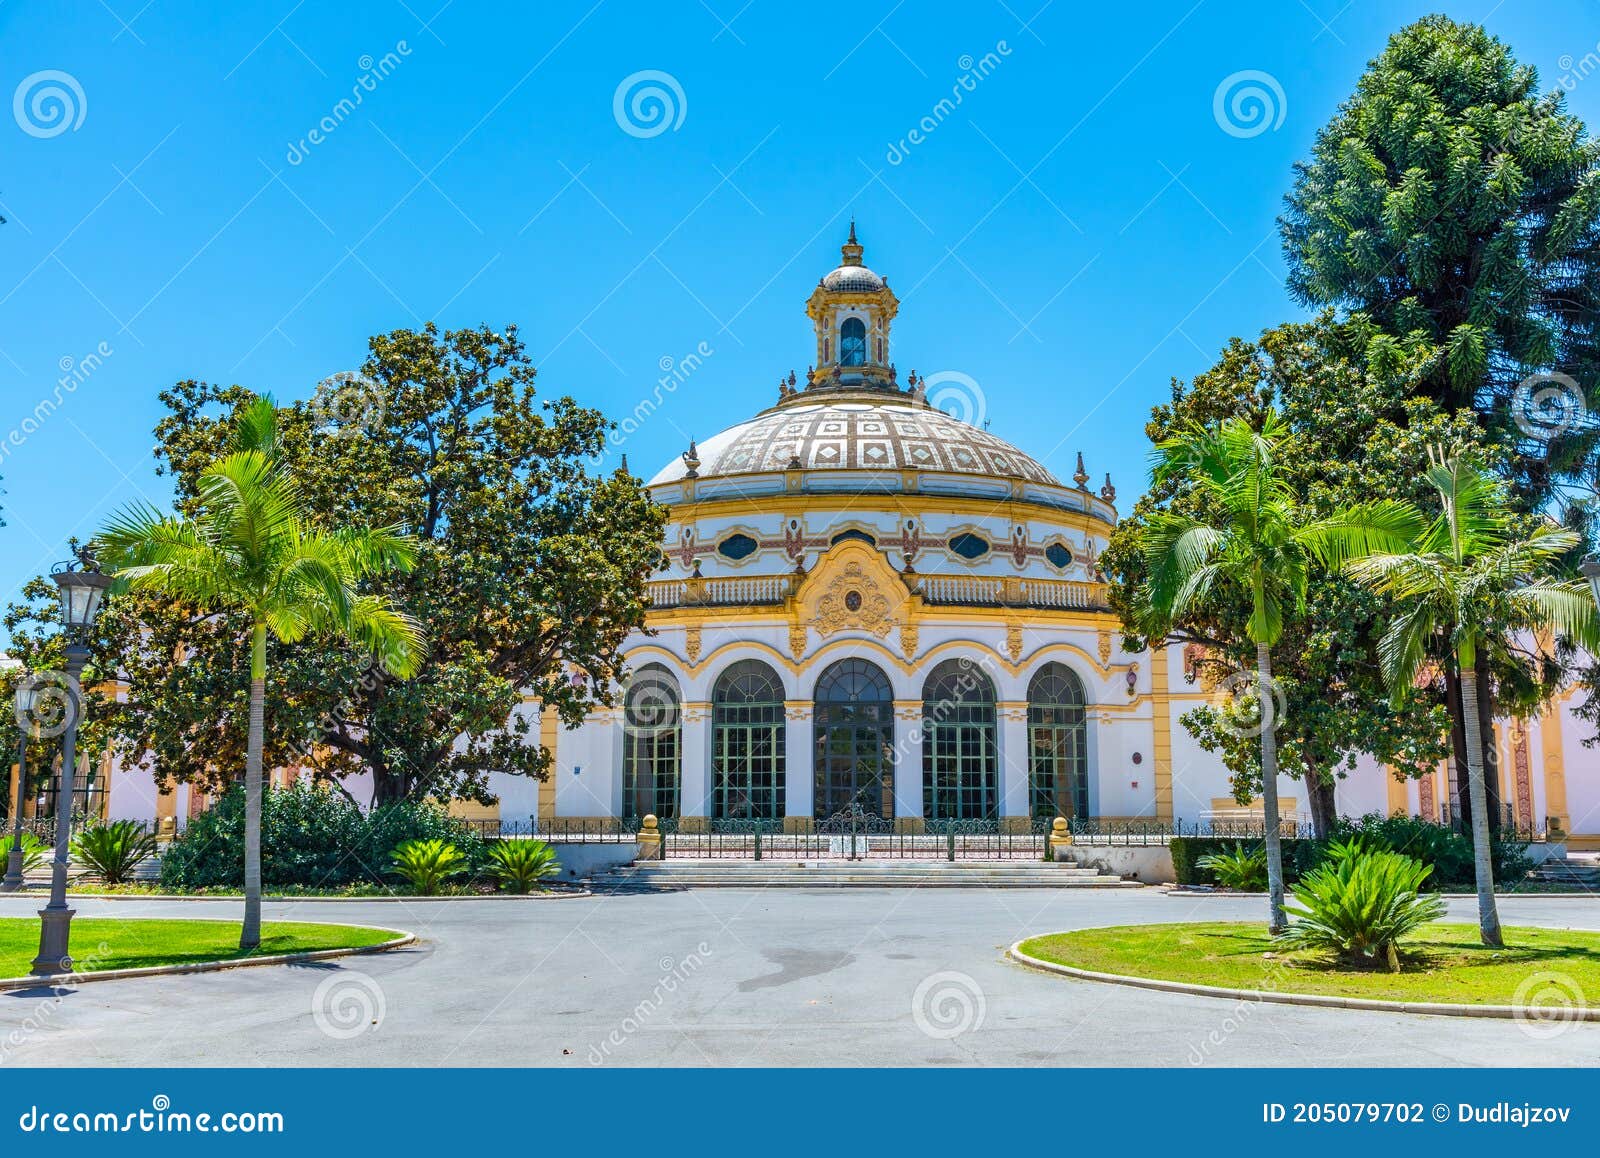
<point>852,249</point>
<point>1081,476</point>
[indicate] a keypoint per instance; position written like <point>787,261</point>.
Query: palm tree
<point>1261,547</point>
<point>251,549</point>
<point>1456,575</point>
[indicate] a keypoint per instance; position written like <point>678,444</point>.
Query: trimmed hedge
<point>310,837</point>
<point>1447,851</point>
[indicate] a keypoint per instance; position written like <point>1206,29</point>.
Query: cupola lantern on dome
<point>851,310</point>
<point>851,415</point>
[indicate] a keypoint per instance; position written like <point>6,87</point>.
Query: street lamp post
<point>82,587</point>
<point>1591,572</point>
<point>27,693</point>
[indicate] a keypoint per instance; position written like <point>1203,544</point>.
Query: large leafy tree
<point>1460,573</point>
<point>250,549</point>
<point>1448,200</point>
<point>1448,204</point>
<point>1357,433</point>
<point>529,574</point>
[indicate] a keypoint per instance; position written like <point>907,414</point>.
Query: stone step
<point>1567,872</point>
<point>833,874</point>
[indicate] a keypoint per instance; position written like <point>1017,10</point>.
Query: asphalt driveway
<point>732,977</point>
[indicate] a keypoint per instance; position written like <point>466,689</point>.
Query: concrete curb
<point>71,979</point>
<point>280,899</point>
<point>1191,891</point>
<point>1318,1000</point>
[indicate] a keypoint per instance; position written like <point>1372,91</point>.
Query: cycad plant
<point>1461,575</point>
<point>1360,902</point>
<point>34,851</point>
<point>1242,868</point>
<point>520,865</point>
<point>114,850</point>
<point>426,865</point>
<point>1259,545</point>
<point>251,548</point>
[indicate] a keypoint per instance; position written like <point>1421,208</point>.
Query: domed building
<point>871,606</point>
<point>871,603</point>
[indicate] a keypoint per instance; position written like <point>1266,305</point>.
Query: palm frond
<point>1403,648</point>
<point>255,428</point>
<point>1389,526</point>
<point>1565,608</point>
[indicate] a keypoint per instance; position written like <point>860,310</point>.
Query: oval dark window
<point>969,546</point>
<point>737,546</point>
<point>1058,555</point>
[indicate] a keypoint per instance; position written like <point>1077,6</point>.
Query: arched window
<point>747,743</point>
<point>853,342</point>
<point>855,740</point>
<point>652,744</point>
<point>1058,758</point>
<point>960,762</point>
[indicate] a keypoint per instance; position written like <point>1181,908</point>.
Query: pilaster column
<point>1013,736</point>
<point>695,766</point>
<point>908,760</point>
<point>1555,772</point>
<point>799,759</point>
<point>1161,718</point>
<point>549,738</point>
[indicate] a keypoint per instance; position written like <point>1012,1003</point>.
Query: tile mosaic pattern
<point>857,436</point>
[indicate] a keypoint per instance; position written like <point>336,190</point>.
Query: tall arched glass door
<point>960,760</point>
<point>1058,758</point>
<point>747,761</point>
<point>854,739</point>
<point>652,744</point>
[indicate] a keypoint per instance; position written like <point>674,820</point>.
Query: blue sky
<point>1081,228</point>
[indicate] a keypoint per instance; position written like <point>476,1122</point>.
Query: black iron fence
<point>768,841</point>
<point>43,827</point>
<point>865,836</point>
<point>574,830</point>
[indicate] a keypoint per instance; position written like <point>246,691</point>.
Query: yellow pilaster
<point>549,735</point>
<point>1555,767</point>
<point>1160,706</point>
<point>1399,798</point>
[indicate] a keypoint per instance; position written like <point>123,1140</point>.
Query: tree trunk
<point>1488,917</point>
<point>1493,797</point>
<point>1320,800</point>
<point>1458,747</point>
<point>250,934</point>
<point>1276,921</point>
<point>1462,819</point>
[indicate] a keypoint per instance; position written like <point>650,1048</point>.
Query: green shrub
<point>34,852</point>
<point>1243,869</point>
<point>519,865</point>
<point>114,850</point>
<point>1447,852</point>
<point>1189,851</point>
<point>1359,903</point>
<point>311,837</point>
<point>426,865</point>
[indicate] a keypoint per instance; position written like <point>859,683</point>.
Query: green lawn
<point>1443,963</point>
<point>100,943</point>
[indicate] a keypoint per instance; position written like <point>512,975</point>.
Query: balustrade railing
<point>968,590</point>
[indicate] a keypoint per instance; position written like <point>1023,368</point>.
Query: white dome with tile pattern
<point>865,432</point>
